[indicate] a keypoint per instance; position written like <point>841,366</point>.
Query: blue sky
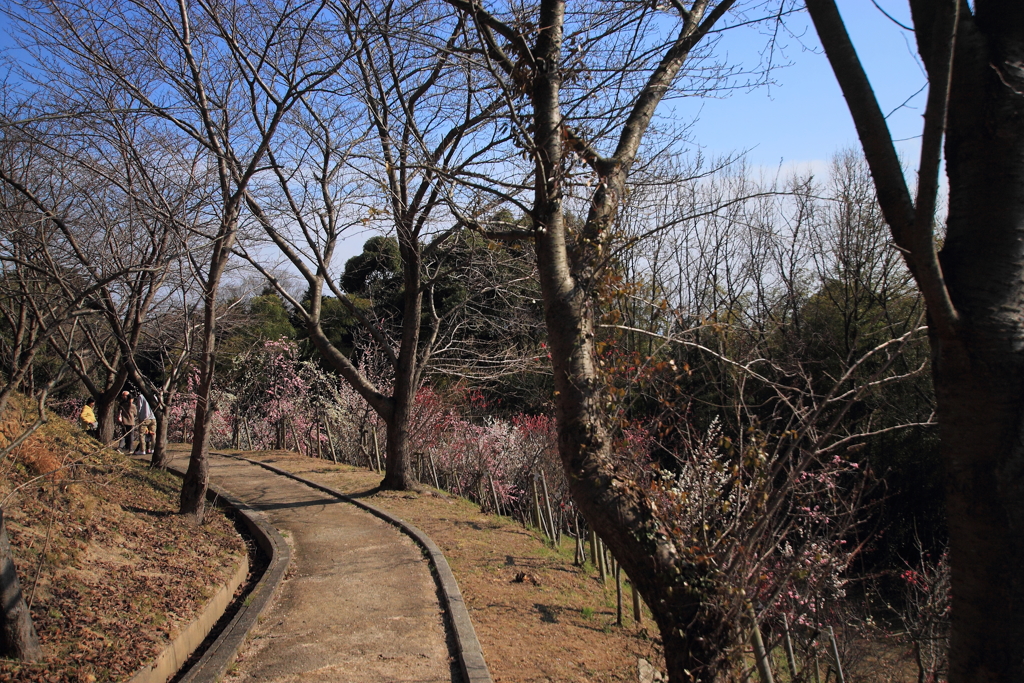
<point>802,119</point>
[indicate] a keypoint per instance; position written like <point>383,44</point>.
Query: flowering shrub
<point>763,526</point>
<point>181,413</point>
<point>490,458</point>
<point>924,614</point>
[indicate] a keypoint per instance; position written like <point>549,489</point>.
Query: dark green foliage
<point>269,317</point>
<point>338,323</point>
<point>376,268</point>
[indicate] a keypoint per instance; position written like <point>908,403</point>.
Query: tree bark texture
<point>670,587</point>
<point>105,417</point>
<point>979,370</point>
<point>673,587</point>
<point>197,476</point>
<point>398,468</point>
<point>18,637</point>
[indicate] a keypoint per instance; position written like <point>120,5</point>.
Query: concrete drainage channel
<point>221,653</point>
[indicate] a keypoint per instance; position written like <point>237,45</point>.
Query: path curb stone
<point>471,656</point>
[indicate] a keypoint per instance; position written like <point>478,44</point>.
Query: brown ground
<point>112,570</point>
<point>556,625</point>
<point>119,571</point>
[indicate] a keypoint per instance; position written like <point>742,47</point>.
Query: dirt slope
<point>111,570</point>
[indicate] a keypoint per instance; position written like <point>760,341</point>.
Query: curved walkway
<point>358,604</point>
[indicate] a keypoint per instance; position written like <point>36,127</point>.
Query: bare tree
<point>430,124</point>
<point>972,288</point>
<point>52,257</point>
<point>782,333</point>
<point>181,67</point>
<point>615,82</point>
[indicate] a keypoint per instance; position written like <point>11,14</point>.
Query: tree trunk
<point>160,457</point>
<point>695,635</point>
<point>977,335</point>
<point>197,477</point>
<point>106,405</point>
<point>979,371</point>
<point>18,637</point>
<point>394,410</point>
<point>398,467</point>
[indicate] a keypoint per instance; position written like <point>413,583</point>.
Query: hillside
<point>113,572</point>
<point>109,568</point>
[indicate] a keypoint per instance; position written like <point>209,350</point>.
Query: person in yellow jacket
<point>88,418</point>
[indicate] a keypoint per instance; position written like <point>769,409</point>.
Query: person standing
<point>126,415</point>
<point>147,425</point>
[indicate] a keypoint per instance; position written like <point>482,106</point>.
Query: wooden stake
<point>376,450</point>
<point>547,504</point>
<point>538,518</point>
<point>248,434</point>
<point>835,655</point>
<point>433,470</point>
<point>581,554</point>
<point>618,594</point>
<point>638,614</point>
<point>788,643</point>
<point>593,548</point>
<point>494,493</point>
<point>330,439</point>
<point>764,668</point>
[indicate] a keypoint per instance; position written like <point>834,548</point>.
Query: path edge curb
<point>471,656</point>
<point>221,653</point>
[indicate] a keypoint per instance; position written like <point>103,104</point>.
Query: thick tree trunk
<point>105,408</point>
<point>106,397</point>
<point>977,335</point>
<point>979,371</point>
<point>18,637</point>
<point>197,476</point>
<point>395,410</point>
<point>398,469</point>
<point>694,635</point>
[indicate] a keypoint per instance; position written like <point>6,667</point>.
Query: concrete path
<point>358,604</point>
